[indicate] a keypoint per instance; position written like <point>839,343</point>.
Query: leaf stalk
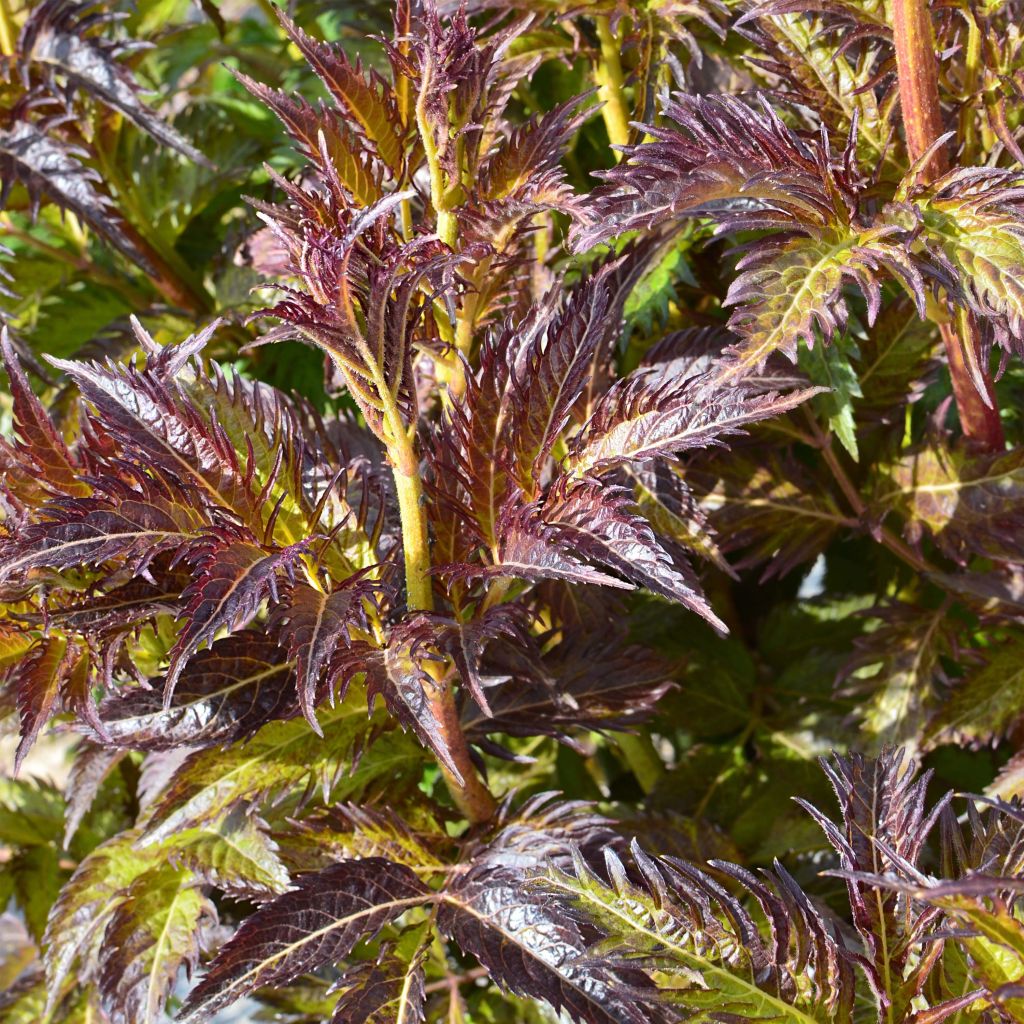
<point>471,796</point>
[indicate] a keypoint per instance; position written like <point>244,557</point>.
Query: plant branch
<point>884,535</point>
<point>611,85</point>
<point>447,224</point>
<point>471,796</point>
<point>917,68</point>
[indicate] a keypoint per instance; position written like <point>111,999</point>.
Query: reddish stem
<point>917,66</point>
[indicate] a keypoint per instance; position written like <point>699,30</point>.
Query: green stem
<point>471,796</point>
<point>419,592</point>
<point>447,224</point>
<point>972,69</point>
<point>8,33</point>
<point>642,758</point>
<point>612,85</point>
<point>824,442</point>
<point>918,72</point>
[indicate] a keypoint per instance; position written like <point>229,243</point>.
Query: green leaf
<point>790,289</point>
<point>830,366</point>
<point>285,756</point>
<point>152,933</point>
<point>236,855</point>
<point>37,882</point>
<point>85,906</point>
<point>987,702</point>
<point>973,227</point>
<point>709,955</point>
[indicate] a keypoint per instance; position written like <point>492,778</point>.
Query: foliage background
<point>839,639</point>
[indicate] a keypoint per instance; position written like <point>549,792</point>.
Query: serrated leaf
<point>56,40</point>
<point>680,921</point>
<point>968,504</point>
<point>986,703</point>
<point>153,931</point>
<point>314,925</point>
<point>227,692</point>
<point>648,414</point>
<point>40,440</point>
<point>231,583</point>
<point>974,231</point>
<point>829,366</point>
<point>282,756</point>
<point>391,990</point>
<point>896,671</point>
<point>312,623</point>
<point>236,855</point>
<point>596,522</point>
<point>45,165</point>
<point>85,905</point>
<point>362,97</point>
<point>87,532</point>
<point>37,685</point>
<point>790,289</point>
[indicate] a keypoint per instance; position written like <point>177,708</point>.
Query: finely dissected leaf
<point>530,549</point>
<point>320,131</point>
<point>311,623</point>
<point>347,832</point>
<point>788,290</point>
<point>153,931</point>
<point>231,584</point>
<point>557,366</point>
<point>666,501</point>
<point>37,684</point>
<point>677,919</point>
<point>401,675</point>
<point>92,766</point>
<point>314,925</point>
<point>226,694</point>
<point>650,414</point>
<point>161,430</point>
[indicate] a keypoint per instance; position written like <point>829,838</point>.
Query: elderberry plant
<point>499,505</point>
